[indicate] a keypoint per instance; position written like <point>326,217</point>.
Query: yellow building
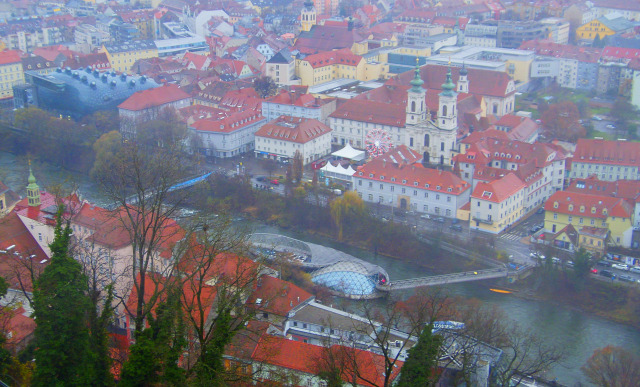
<point>590,212</point>
<point>496,205</point>
<point>602,27</point>
<point>330,65</point>
<point>12,72</point>
<point>123,56</point>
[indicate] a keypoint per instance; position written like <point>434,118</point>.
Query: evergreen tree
<point>153,359</point>
<point>418,370</point>
<point>61,306</point>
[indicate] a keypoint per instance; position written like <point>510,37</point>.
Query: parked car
<point>456,227</point>
<point>555,261</point>
<point>607,273</point>
<point>635,269</point>
<point>261,178</point>
<point>593,270</point>
<point>603,263</point>
<point>626,278</point>
<point>440,219</point>
<point>570,264</point>
<point>611,126</point>
<point>275,182</point>
<point>425,216</point>
<point>596,118</point>
<point>620,266</point>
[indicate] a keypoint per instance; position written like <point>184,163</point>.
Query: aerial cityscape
<point>320,193</point>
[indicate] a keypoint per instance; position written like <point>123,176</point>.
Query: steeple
<point>448,86</point>
<point>447,101</point>
<point>33,190</point>
<point>416,110</point>
<point>417,82</point>
<point>463,81</point>
<point>307,16</point>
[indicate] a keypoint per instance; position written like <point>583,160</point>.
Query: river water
<point>577,332</point>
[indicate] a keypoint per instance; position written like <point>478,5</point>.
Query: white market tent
<point>349,153</point>
<point>338,172</point>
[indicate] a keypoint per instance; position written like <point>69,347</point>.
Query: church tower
<point>33,191</point>
<point>463,82</point>
<point>447,115</point>
<point>308,16</point>
<point>416,107</point>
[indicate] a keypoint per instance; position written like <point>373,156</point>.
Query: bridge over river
<point>316,258</point>
<point>446,279</point>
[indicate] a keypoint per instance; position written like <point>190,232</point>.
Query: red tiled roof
<point>607,152</point>
<point>293,129</point>
<point>277,296</point>
<point>155,97</point>
<point>340,57</point>
<point>233,122</point>
<point>626,189</point>
<point>619,52</point>
<point>327,38</point>
<point>481,82</point>
<point>12,268</point>
<point>18,329</point>
<point>371,111</point>
<point>499,190</point>
<point>302,357</point>
<point>613,206</point>
<point>9,56</point>
<point>401,164</point>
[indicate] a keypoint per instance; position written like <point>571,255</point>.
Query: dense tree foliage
<point>420,367</point>
<point>265,86</point>
<point>63,355</point>
<point>561,121</point>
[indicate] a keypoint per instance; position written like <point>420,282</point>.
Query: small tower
<point>463,82</point>
<point>33,191</point>
<point>416,107</point>
<point>447,115</point>
<point>308,16</point>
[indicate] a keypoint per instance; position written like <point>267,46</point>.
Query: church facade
<point>405,118</point>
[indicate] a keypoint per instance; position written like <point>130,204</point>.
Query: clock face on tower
<point>377,142</point>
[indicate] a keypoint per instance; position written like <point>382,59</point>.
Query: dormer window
<point>393,179</point>
<point>555,204</point>
<point>581,208</point>
<point>415,183</point>
<point>570,207</point>
<point>404,181</point>
<point>438,187</point>
<point>593,210</point>
<point>426,185</point>
<point>604,211</point>
<point>359,173</point>
<point>381,177</point>
<point>371,175</point>
<point>449,189</point>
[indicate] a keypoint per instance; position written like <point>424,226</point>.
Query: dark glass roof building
<point>83,91</point>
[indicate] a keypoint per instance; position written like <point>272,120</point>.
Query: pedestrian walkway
<point>510,236</point>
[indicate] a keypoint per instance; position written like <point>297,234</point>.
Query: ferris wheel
<point>378,142</point>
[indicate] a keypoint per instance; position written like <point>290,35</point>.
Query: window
<point>370,197</point>
<point>555,216</point>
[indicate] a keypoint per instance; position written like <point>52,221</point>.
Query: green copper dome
<point>448,86</point>
<point>417,82</point>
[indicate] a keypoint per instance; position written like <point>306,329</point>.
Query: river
<point>577,332</point>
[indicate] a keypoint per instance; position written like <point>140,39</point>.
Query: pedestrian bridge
<point>445,279</point>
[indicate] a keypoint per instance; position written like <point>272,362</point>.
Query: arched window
<point>426,140</point>
<point>413,106</point>
<point>444,110</point>
<point>495,108</point>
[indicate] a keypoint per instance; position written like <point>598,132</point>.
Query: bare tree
<point>613,367</point>
<point>138,181</point>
